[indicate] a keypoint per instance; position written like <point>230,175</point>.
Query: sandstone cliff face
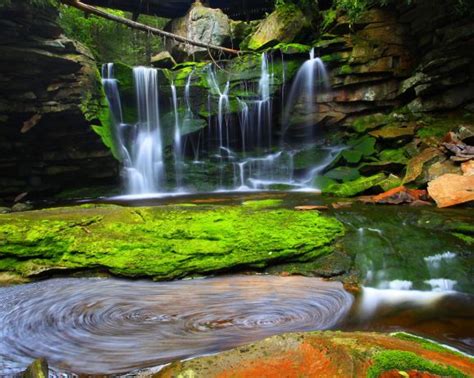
<point>50,96</point>
<point>417,56</point>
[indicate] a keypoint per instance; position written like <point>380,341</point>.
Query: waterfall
<point>311,76</point>
<point>144,169</point>
<point>240,143</point>
<point>178,161</point>
<point>112,93</point>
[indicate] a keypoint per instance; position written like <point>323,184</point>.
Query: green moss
<point>346,69</point>
<point>162,242</point>
<point>359,148</point>
<point>390,182</point>
<point>95,108</point>
<point>369,122</point>
<point>343,174</point>
<point>292,48</point>
<point>397,155</point>
<point>404,361</point>
<point>427,344</point>
<point>351,188</point>
<point>261,204</point>
<point>323,183</point>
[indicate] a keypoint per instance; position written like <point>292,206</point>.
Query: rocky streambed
<point>407,268</point>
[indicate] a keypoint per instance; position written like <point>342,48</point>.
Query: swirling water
<point>114,326</point>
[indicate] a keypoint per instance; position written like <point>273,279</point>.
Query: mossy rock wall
<point>50,99</point>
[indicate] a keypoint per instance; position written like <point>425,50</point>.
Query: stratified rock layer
<point>50,96</point>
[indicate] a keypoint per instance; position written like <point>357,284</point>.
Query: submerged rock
<point>326,354</point>
<point>161,242</point>
<point>400,195</point>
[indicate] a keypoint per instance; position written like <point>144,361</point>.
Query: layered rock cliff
<point>50,97</point>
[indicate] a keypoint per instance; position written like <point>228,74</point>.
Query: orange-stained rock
<point>468,168</point>
<point>450,189</point>
<point>325,354</point>
<point>311,207</point>
<point>399,195</point>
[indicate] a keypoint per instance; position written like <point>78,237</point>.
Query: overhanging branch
<point>149,29</point>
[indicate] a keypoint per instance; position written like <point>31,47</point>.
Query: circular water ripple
<point>113,326</point>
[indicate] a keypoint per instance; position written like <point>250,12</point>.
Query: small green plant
<point>404,361</point>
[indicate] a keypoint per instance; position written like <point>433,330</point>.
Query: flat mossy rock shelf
<point>160,242</point>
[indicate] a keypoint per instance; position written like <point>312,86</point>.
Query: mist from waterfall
<point>245,149</point>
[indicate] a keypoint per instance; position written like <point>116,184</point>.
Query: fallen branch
<point>136,25</point>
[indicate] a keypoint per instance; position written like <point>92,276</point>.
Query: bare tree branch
<point>136,25</point>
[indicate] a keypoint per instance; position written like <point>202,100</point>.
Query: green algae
<point>162,242</point>
<point>405,361</point>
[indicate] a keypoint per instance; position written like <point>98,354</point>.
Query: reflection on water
<point>447,317</point>
<point>112,326</point>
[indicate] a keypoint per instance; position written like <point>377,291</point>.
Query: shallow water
<point>417,276</point>
<point>113,326</point>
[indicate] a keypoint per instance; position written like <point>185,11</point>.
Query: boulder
<point>201,24</point>
<point>163,242</point>
<point>328,354</point>
<point>282,25</point>
<point>468,168</point>
<point>163,60</point>
<point>450,189</point>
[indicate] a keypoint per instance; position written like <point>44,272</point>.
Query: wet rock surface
<point>50,96</point>
<point>326,354</point>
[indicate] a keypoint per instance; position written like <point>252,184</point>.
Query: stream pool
<point>414,264</point>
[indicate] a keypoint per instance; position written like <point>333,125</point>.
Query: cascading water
<point>310,77</point>
<point>145,171</point>
<point>178,159</point>
<point>112,93</point>
<point>242,142</point>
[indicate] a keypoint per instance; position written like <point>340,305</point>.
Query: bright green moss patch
<point>261,204</point>
<point>162,242</point>
<point>351,188</point>
<point>426,343</point>
<point>405,361</point>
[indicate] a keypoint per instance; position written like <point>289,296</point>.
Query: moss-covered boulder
<point>328,354</point>
<point>161,242</point>
<point>283,25</point>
